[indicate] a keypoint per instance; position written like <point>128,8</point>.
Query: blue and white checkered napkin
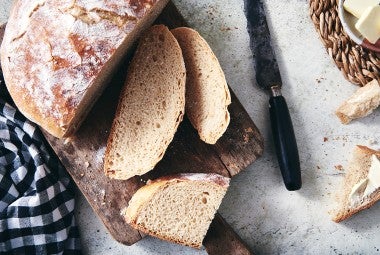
<point>36,195</point>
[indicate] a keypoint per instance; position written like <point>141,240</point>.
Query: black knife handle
<point>285,142</point>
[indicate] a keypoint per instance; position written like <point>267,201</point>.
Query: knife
<point>268,78</point>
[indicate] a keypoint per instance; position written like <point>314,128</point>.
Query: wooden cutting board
<point>83,157</point>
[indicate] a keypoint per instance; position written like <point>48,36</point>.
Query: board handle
<point>222,239</point>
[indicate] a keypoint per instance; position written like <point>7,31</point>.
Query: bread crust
<point>57,56</point>
<point>207,93</point>
<point>360,169</point>
<point>361,103</point>
<point>145,193</point>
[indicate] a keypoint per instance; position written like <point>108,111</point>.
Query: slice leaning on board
<point>152,103</point>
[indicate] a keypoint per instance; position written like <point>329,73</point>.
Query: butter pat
<point>357,7</point>
<point>357,191</point>
<point>366,187</point>
<point>373,177</point>
<point>369,24</point>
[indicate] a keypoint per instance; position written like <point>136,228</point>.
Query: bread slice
<point>361,103</point>
<point>151,106</point>
<point>58,56</point>
<point>357,170</point>
<point>177,208</point>
<point>207,94</point>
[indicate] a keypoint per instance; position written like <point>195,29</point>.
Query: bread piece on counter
<point>352,197</point>
<point>362,103</point>
<point>207,94</point>
<point>151,106</point>
<point>57,56</point>
<point>177,208</point>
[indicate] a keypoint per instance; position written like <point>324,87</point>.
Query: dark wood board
<point>83,156</point>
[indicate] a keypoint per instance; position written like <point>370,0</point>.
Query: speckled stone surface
<point>269,218</point>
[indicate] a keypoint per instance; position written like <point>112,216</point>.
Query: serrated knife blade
<point>268,77</point>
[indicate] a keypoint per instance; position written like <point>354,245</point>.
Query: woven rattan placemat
<point>357,64</point>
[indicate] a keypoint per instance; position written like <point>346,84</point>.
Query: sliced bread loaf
<point>151,106</point>
<point>207,94</point>
<point>352,196</point>
<point>58,56</point>
<point>177,208</point>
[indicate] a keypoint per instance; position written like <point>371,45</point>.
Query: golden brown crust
<point>215,178</point>
<point>361,103</point>
<point>358,169</point>
<point>345,215</point>
<point>56,71</point>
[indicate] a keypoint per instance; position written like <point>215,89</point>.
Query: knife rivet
<point>276,91</point>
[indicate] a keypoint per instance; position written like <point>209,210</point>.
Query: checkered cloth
<point>36,195</point>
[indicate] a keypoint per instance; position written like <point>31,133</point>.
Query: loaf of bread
<point>177,208</point>
<point>207,94</point>
<point>362,103</point>
<point>151,106</point>
<point>58,55</point>
<point>352,197</point>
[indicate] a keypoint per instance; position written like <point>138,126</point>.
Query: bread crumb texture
<point>151,106</point>
<point>180,210</point>
<point>207,93</point>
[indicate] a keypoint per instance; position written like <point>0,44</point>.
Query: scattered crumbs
<point>97,231</point>
<point>81,174</point>
<point>86,164</point>
<point>100,154</point>
<point>339,167</point>
<point>103,197</point>
<point>373,142</point>
<point>225,28</point>
<point>246,138</point>
<point>236,28</point>
<point>67,140</point>
<point>318,167</point>
<point>248,130</point>
<point>319,80</point>
<point>325,139</point>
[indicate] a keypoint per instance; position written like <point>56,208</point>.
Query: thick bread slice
<point>357,170</point>
<point>151,106</point>
<point>207,94</point>
<point>57,56</point>
<point>177,208</point>
<point>361,103</point>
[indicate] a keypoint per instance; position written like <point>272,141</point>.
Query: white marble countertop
<point>269,218</point>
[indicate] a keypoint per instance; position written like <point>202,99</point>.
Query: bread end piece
<point>361,103</point>
<point>207,93</point>
<point>357,170</point>
<point>177,208</point>
<point>56,64</point>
